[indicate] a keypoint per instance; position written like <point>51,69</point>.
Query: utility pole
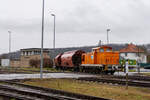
<point>9,47</point>
<point>54,30</point>
<point>42,35</point>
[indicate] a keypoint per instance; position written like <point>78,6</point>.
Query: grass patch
<point>94,89</point>
<point>147,74</point>
<point>29,70</point>
<point>38,69</point>
<point>132,70</point>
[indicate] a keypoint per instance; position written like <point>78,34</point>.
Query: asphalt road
<point>58,75</point>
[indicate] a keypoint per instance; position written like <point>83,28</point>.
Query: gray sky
<point>78,22</point>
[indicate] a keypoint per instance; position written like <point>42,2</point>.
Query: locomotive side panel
<point>88,58</point>
<point>108,58</point>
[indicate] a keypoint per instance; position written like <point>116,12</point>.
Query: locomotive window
<point>101,50</point>
<point>83,57</point>
<point>108,50</point>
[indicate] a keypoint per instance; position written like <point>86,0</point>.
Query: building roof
<point>131,48</point>
<point>35,49</point>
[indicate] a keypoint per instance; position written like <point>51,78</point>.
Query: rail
<point>44,93</point>
<point>117,81</point>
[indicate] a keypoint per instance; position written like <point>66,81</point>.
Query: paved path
<point>55,75</point>
<point>45,75</point>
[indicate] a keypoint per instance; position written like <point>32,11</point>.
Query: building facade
<point>32,53</point>
<point>15,63</point>
<point>27,55</point>
<point>133,52</point>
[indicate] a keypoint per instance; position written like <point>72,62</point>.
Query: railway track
<point>116,81</point>
<point>26,92</point>
<point>25,71</point>
<point>137,77</point>
<point>134,77</point>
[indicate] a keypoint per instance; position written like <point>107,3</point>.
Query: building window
<point>138,54</point>
<point>126,54</point>
<point>24,53</point>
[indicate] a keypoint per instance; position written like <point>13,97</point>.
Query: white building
<point>5,62</point>
<point>133,52</point>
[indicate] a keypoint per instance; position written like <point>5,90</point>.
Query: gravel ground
<point>133,73</point>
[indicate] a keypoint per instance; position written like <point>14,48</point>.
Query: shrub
<point>46,62</point>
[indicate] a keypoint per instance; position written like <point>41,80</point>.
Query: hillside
<point>53,53</point>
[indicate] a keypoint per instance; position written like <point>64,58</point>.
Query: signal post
<point>127,68</point>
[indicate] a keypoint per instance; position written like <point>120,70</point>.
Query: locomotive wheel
<point>112,72</point>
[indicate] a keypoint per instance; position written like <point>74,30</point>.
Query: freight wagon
<point>68,60</point>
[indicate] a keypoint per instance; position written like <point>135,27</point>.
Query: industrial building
<point>26,55</point>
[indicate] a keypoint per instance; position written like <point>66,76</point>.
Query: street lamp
<point>9,46</point>
<point>54,30</point>
<point>41,65</point>
<point>107,36</point>
<point>54,36</point>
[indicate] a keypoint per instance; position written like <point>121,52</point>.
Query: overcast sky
<point>78,22</point>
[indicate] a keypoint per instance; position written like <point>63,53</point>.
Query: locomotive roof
<point>103,47</point>
<point>73,51</point>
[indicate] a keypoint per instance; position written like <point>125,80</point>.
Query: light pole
<point>107,36</point>
<point>54,30</point>
<point>9,46</point>
<point>54,36</point>
<point>42,35</point>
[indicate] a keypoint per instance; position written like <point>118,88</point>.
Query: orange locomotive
<point>101,59</point>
